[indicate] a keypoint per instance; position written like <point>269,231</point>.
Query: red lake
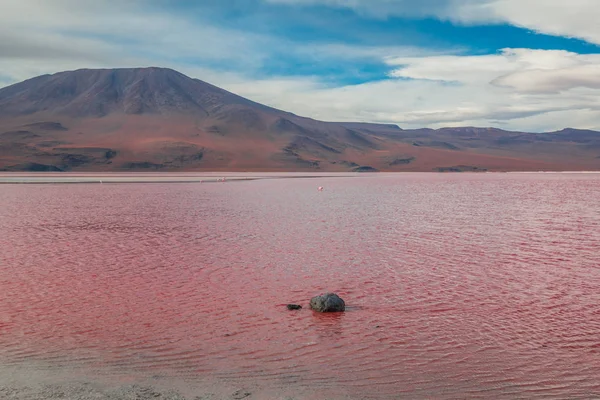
<point>456,285</point>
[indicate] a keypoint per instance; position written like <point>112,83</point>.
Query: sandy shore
<point>93,391</point>
<point>40,381</point>
<point>89,391</point>
<point>96,391</point>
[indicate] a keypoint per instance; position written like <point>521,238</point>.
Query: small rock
<point>294,307</point>
<point>240,394</point>
<point>328,302</point>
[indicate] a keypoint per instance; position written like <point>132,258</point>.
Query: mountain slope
<point>160,119</point>
<point>97,93</point>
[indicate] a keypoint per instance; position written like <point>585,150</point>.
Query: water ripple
<point>457,285</point>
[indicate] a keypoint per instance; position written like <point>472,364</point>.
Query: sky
<point>529,65</point>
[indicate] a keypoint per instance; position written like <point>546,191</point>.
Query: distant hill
<point>157,119</point>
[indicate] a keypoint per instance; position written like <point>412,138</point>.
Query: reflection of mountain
<point>158,119</point>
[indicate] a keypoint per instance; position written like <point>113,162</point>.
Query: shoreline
<point>40,381</point>
<point>30,383</point>
<point>215,177</point>
<point>89,391</point>
<point>165,177</point>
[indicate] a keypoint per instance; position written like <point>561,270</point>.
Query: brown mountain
<point>159,119</point>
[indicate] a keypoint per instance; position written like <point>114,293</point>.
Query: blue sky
<point>515,64</point>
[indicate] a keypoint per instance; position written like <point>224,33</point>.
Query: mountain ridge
<point>155,118</point>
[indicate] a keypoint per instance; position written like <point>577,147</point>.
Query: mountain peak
<point>99,92</point>
<point>139,71</point>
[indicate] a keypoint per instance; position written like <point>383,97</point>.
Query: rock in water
<point>328,302</point>
<point>294,307</point>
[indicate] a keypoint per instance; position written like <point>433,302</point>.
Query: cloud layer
<point>573,18</point>
<point>513,88</point>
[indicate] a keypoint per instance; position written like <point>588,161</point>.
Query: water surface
<point>457,285</point>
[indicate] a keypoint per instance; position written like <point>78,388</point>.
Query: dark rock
<point>460,168</point>
<point>365,168</point>
<point>240,394</point>
<point>328,302</point>
<point>74,160</point>
<point>110,154</point>
<point>294,307</point>
<point>141,165</point>
<point>33,167</point>
<point>401,161</point>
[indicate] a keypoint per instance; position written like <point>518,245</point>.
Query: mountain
<point>157,119</point>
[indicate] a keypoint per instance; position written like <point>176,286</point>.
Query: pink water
<point>457,285</point>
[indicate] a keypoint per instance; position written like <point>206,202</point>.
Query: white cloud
<point>68,34</point>
<point>524,70</point>
<point>570,18</point>
<point>552,81</point>
<point>518,89</point>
